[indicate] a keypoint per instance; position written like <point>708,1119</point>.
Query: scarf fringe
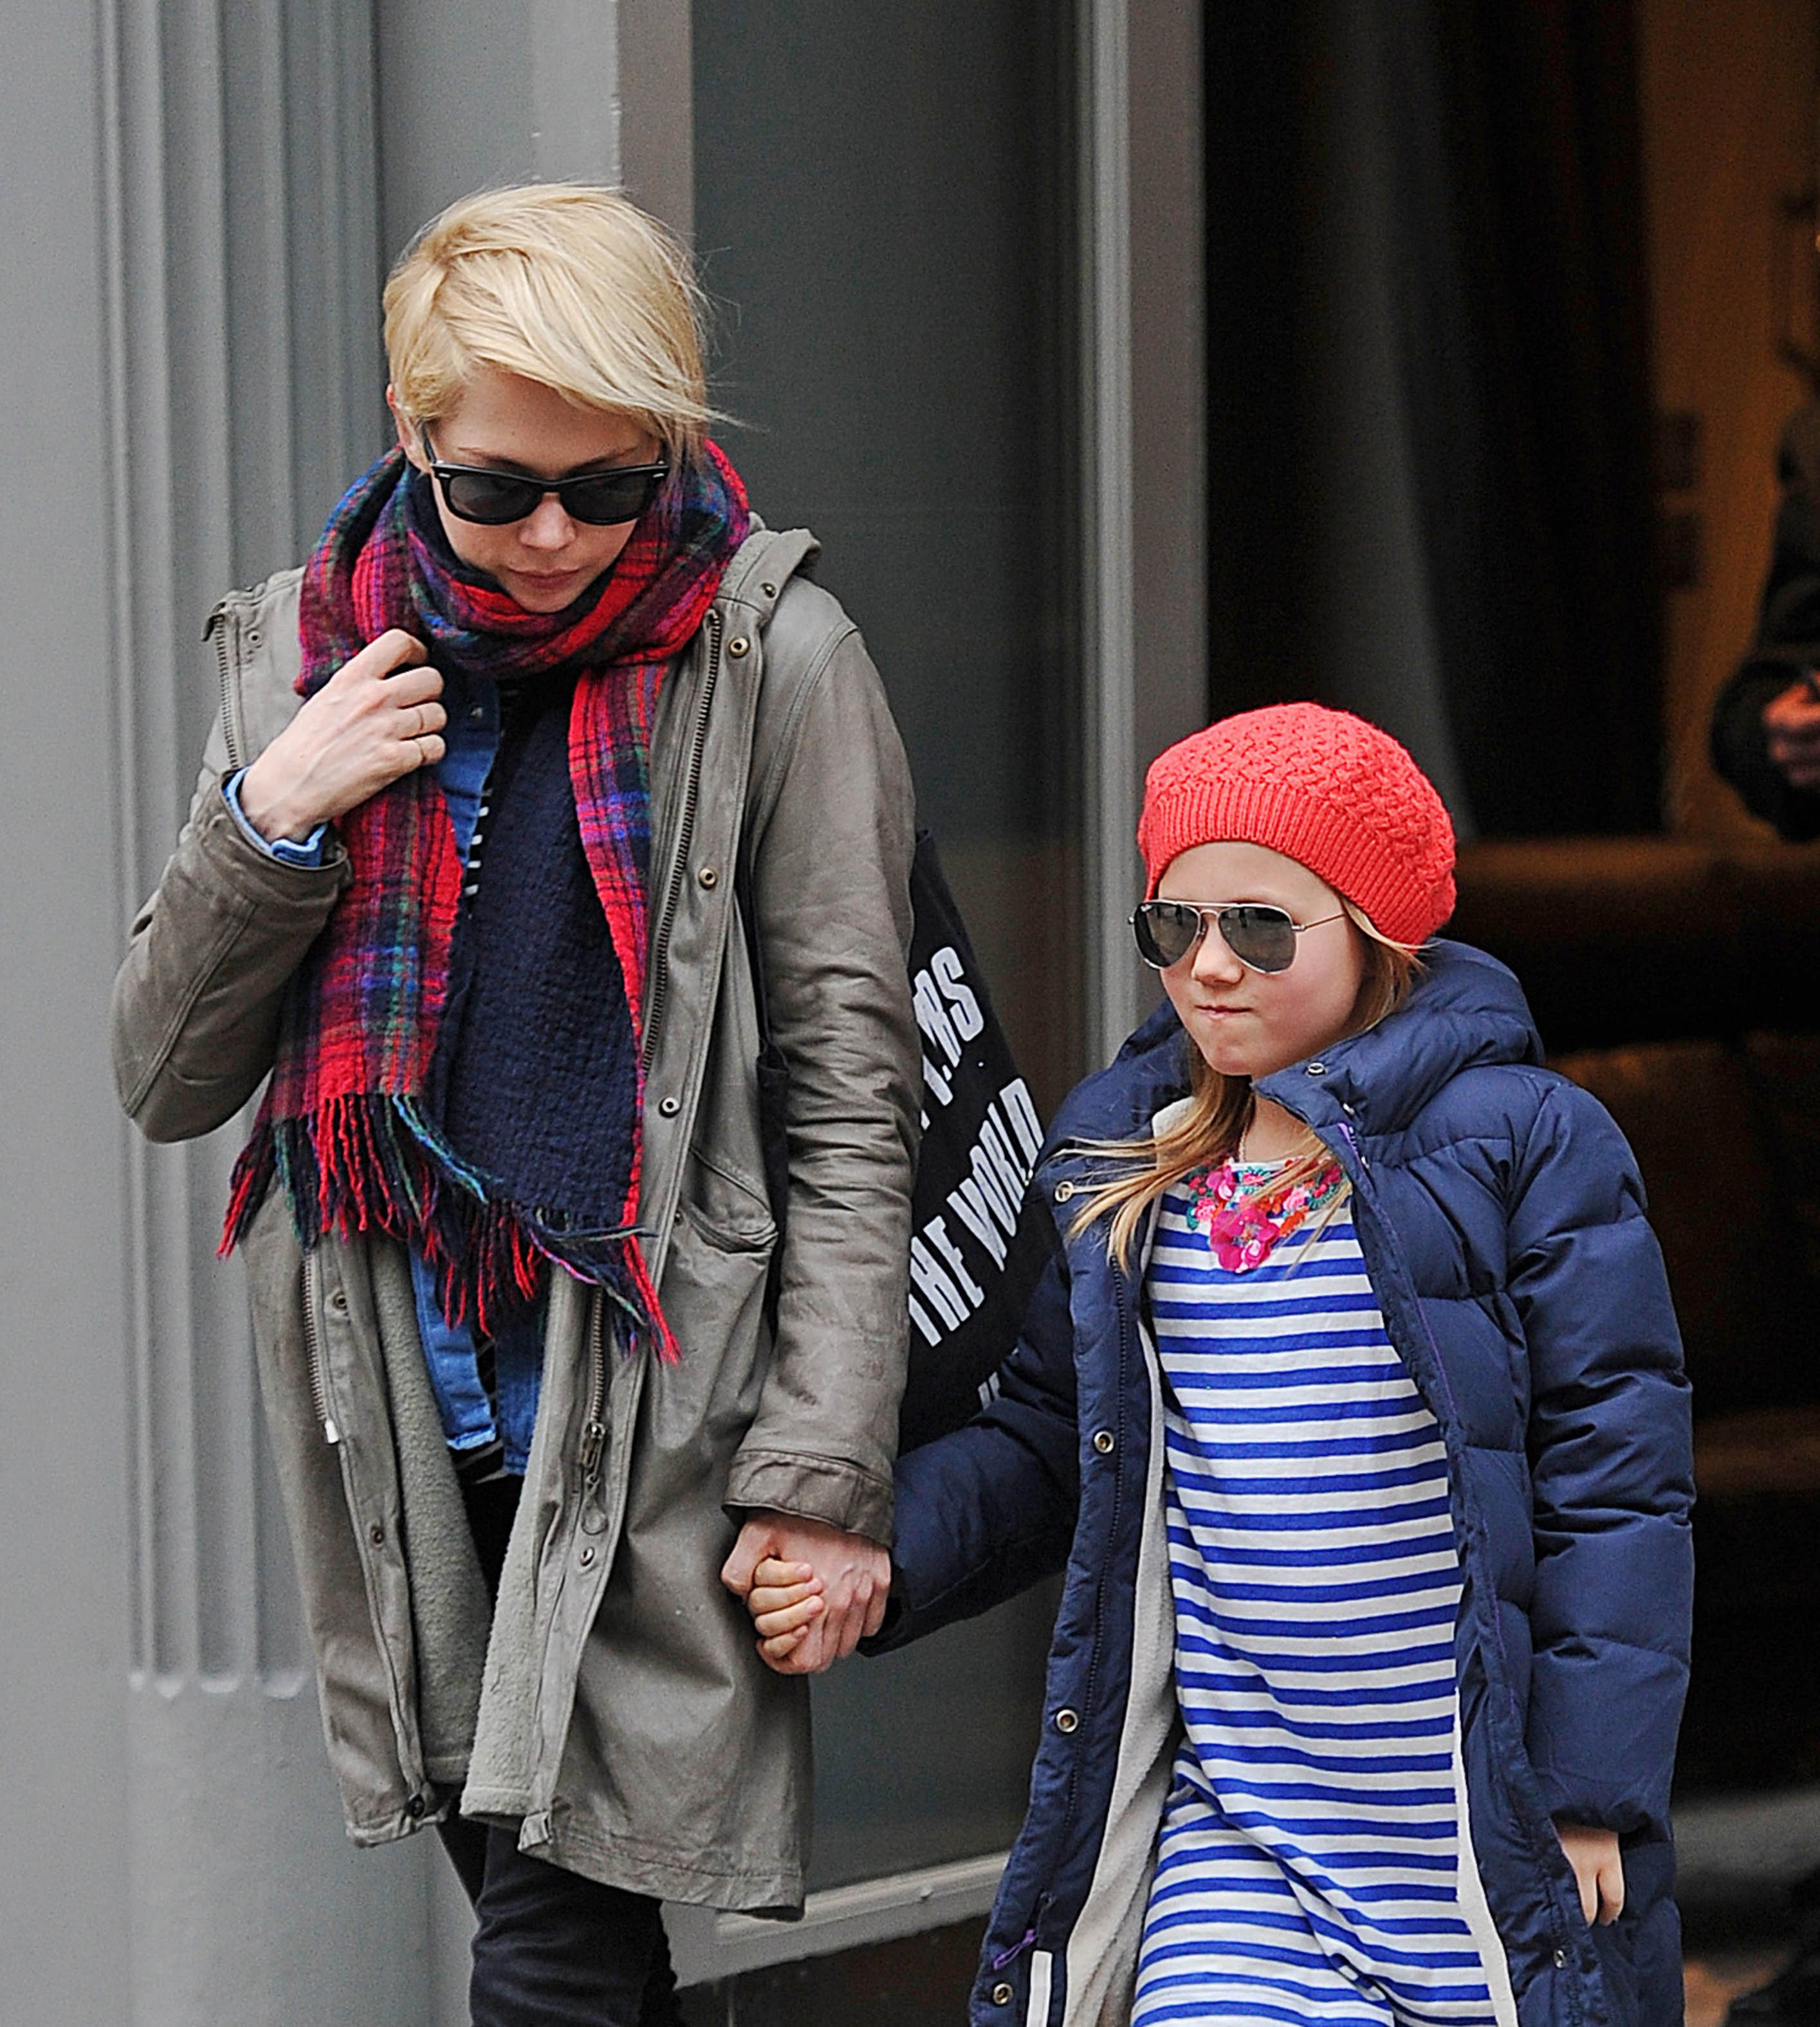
<point>367,1163</point>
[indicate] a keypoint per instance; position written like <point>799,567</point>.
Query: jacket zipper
<point>313,1356</point>
<point>594,1421</point>
<point>1346,1134</point>
<point>684,837</point>
<point>217,633</point>
<point>313,1341</point>
<point>1087,1701</point>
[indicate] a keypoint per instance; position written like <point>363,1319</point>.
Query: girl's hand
<point>785,1600</point>
<point>364,727</point>
<point>851,1574</point>
<point>1598,1869</point>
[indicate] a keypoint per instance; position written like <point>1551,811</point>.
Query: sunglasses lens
<point>1262,937</point>
<point>1166,931</point>
<point>602,499</point>
<point>610,497</point>
<point>491,498</point>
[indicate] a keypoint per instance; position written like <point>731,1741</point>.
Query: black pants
<point>552,1949</point>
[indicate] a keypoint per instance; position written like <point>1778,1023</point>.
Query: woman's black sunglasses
<point>1259,935</point>
<point>602,499</point>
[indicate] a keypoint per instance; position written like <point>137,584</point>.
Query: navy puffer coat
<point>1501,1219</point>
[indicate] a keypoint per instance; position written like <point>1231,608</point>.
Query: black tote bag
<point>979,1235</point>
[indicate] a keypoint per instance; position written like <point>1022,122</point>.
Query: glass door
<point>885,208</point>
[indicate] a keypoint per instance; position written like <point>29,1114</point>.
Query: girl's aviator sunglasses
<point>601,498</point>
<point>1261,937</point>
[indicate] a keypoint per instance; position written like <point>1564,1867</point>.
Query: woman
<point>460,875</point>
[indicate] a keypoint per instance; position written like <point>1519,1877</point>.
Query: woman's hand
<point>364,727</point>
<point>1598,1869</point>
<point>813,1619</point>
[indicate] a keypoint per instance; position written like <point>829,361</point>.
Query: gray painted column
<point>1143,450</point>
<point>63,1848</point>
<point>477,92</point>
<point>238,274</point>
<point>657,109</point>
<point>1169,379</point>
<point>1109,621</point>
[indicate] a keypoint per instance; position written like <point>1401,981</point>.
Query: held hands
<point>1792,720</point>
<point>1598,1869</point>
<point>364,727</point>
<point>813,1592</point>
<point>801,1633</point>
<point>785,1602</point>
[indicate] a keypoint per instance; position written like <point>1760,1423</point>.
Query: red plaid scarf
<point>343,1129</point>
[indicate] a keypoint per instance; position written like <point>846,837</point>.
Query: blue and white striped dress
<point>1309,1864</point>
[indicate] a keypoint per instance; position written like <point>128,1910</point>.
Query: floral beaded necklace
<point>1247,1210</point>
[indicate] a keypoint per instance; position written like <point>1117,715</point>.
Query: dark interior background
<point>1503,143</point>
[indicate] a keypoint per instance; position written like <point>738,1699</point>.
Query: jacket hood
<point>1467,1011</point>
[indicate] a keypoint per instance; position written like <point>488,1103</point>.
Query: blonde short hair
<point>566,284</point>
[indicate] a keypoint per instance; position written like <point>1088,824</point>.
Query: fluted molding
<point>1109,628</point>
<point>239,267</point>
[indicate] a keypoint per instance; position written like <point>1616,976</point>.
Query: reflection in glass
<point>883,205</point>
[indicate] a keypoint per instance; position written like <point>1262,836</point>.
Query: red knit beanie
<point>1324,789</point>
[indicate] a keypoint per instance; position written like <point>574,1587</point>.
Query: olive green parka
<point>613,1706</point>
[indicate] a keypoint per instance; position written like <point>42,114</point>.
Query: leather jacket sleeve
<point>831,890</point>
<point>1788,644</point>
<point>1740,748</point>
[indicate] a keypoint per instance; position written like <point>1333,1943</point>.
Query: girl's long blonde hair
<point>1220,1107</point>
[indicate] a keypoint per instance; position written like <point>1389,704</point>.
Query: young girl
<point>1354,1408</point>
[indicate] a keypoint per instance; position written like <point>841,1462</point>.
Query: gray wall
<point>477,92</point>
<point>63,1619</point>
<point>454,94</point>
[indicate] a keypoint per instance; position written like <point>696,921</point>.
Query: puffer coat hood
<point>1500,1215</point>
